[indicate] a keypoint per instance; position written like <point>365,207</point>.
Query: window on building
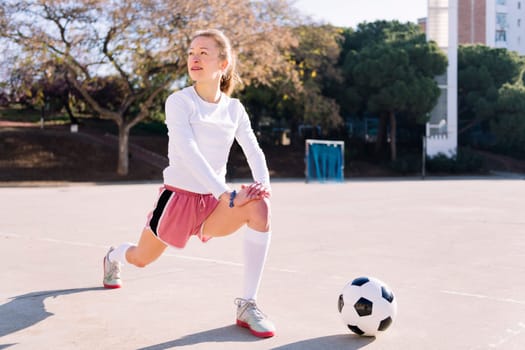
<point>501,20</point>
<point>501,36</point>
<point>501,2</point>
<point>519,22</point>
<point>519,5</point>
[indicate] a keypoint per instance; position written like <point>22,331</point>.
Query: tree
<point>316,60</point>
<point>482,71</point>
<point>301,96</point>
<point>142,45</point>
<point>389,68</point>
<point>45,88</point>
<point>509,123</point>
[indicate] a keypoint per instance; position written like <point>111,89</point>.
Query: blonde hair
<point>230,77</point>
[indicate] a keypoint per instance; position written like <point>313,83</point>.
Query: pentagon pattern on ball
<point>360,281</point>
<point>383,325</point>
<point>363,307</point>
<point>356,330</point>
<point>340,303</point>
<point>387,294</point>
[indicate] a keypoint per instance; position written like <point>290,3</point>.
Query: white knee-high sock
<point>119,253</point>
<point>256,246</point>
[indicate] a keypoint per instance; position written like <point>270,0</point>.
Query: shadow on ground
<point>230,333</point>
<point>332,342</point>
<point>26,310</point>
<point>233,333</point>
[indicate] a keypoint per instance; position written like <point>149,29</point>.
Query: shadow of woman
<point>332,342</point>
<point>28,309</point>
<point>231,333</point>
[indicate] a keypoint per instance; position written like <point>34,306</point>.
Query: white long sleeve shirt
<point>200,138</point>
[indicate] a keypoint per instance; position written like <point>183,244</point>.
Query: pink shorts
<point>179,214</point>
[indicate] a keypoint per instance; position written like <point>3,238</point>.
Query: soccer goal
<point>324,160</point>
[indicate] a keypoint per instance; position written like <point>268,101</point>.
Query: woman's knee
<point>143,261</point>
<point>140,261</point>
<point>261,207</point>
<point>259,212</point>
<point>138,258</point>
<point>148,250</point>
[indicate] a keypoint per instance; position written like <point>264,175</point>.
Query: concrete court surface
<point>453,252</point>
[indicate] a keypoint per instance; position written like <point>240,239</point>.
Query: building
<point>441,26</point>
<point>495,23</point>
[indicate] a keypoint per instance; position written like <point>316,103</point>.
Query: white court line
<point>194,258</point>
<point>510,333</point>
<point>481,296</point>
<point>184,257</point>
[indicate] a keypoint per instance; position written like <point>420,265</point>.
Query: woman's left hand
<point>254,191</point>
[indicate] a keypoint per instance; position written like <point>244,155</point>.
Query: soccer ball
<point>367,306</point>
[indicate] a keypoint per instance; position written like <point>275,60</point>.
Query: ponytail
<point>229,79</point>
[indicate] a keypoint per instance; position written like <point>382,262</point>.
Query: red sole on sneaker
<point>257,334</point>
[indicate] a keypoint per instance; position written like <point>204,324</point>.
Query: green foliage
<point>408,164</point>
<point>491,97</point>
<point>18,113</point>
<point>509,124</point>
<point>482,71</point>
<point>465,162</point>
<point>393,65</point>
<point>150,127</point>
<point>496,65</point>
<point>315,59</point>
<point>389,69</point>
<point>315,63</point>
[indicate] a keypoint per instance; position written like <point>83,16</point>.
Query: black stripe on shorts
<point>159,209</point>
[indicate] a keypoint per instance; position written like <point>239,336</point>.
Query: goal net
<point>324,160</point>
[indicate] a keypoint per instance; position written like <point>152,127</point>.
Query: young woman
<point>195,200</point>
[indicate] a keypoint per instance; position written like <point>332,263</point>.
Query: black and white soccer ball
<point>367,306</point>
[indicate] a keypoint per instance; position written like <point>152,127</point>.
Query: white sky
<point>349,13</point>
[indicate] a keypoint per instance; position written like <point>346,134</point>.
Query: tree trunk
<point>393,136</point>
<point>123,149</point>
<point>381,133</point>
<point>67,106</point>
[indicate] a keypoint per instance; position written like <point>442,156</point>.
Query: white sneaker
<point>111,272</point>
<point>251,317</point>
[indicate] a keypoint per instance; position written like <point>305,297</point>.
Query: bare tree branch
<point>141,46</point>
